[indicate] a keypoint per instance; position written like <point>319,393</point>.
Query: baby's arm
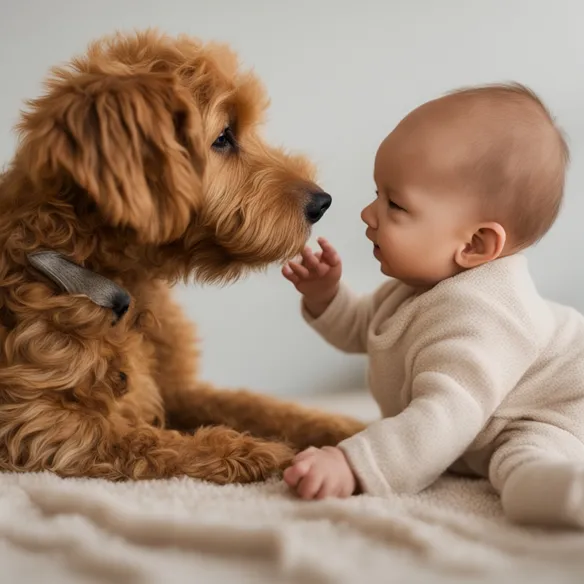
<point>339,316</point>
<point>466,362</point>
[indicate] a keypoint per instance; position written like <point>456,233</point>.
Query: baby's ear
<point>485,244</point>
<point>133,142</point>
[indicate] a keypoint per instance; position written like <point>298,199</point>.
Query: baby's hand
<point>316,277</point>
<point>317,473</point>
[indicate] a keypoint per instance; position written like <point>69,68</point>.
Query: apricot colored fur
<point>115,169</point>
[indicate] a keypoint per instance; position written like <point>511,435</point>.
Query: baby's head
<point>465,179</point>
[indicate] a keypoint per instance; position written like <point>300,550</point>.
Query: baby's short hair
<point>520,162</point>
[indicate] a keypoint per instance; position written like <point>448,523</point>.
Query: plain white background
<point>340,74</point>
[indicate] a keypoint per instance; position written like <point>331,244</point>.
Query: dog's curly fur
<point>124,166</point>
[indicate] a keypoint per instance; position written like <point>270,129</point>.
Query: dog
<point>142,166</point>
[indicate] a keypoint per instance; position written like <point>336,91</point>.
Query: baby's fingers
<point>309,259</point>
<point>329,253</point>
<point>314,263</point>
<point>310,485</point>
<point>294,474</point>
<point>289,274</point>
<point>299,270</point>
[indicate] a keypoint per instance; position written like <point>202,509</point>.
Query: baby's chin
<point>412,280</point>
<point>389,273</point>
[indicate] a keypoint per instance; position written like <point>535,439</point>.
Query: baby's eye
<point>395,206</point>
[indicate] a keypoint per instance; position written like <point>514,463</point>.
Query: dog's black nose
<point>317,205</point>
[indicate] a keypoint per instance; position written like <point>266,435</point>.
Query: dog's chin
<point>217,263</point>
<point>270,244</point>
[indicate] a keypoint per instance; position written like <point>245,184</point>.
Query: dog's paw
<point>260,459</point>
<point>227,456</point>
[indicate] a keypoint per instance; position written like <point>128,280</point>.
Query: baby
<point>474,372</point>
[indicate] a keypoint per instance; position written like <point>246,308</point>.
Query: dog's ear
<point>133,143</point>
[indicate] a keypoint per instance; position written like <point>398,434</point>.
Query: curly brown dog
<point>141,165</point>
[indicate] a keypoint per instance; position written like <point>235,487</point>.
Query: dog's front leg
<point>79,444</point>
<point>262,415</point>
<point>216,454</point>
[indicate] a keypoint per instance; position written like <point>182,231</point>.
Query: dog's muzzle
<point>317,206</point>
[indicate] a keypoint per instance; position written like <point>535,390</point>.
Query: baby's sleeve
<point>345,322</point>
<point>465,361</point>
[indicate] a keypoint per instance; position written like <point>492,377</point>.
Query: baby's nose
<point>368,217</point>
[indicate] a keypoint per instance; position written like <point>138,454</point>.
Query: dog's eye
<point>225,141</point>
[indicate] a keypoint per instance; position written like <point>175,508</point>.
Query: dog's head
<point>159,137</point>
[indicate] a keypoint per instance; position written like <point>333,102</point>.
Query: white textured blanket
<point>187,531</point>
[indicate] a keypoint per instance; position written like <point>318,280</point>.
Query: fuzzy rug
<point>184,530</point>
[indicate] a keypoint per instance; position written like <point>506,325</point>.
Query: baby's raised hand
<point>317,276</point>
<point>317,473</point>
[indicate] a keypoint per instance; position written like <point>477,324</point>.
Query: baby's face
<point>423,213</point>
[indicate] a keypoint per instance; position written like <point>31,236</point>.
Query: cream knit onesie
<point>479,375</point>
